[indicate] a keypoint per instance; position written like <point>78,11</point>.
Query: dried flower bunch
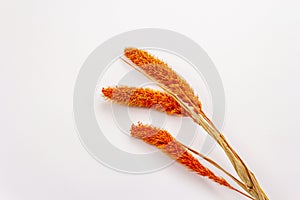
<point>179,99</point>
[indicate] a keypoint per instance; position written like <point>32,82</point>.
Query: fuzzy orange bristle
<point>144,97</point>
<point>165,141</point>
<point>163,74</point>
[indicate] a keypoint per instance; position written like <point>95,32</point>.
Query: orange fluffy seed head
<point>151,135</point>
<point>164,75</point>
<point>164,140</point>
<point>145,98</point>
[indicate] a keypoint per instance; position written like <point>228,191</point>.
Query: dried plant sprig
<point>176,86</point>
<point>169,145</point>
<point>148,98</point>
<point>144,97</point>
<point>158,100</point>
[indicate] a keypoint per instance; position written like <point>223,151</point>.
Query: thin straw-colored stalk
<point>242,185</point>
<point>144,97</point>
<point>178,88</point>
<point>169,145</point>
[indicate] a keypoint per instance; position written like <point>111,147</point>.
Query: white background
<point>255,46</point>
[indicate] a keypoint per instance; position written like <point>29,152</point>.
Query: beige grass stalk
<point>159,72</point>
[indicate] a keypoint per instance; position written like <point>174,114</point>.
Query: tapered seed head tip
<point>107,92</point>
<point>130,50</point>
<point>137,130</point>
<point>151,135</point>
